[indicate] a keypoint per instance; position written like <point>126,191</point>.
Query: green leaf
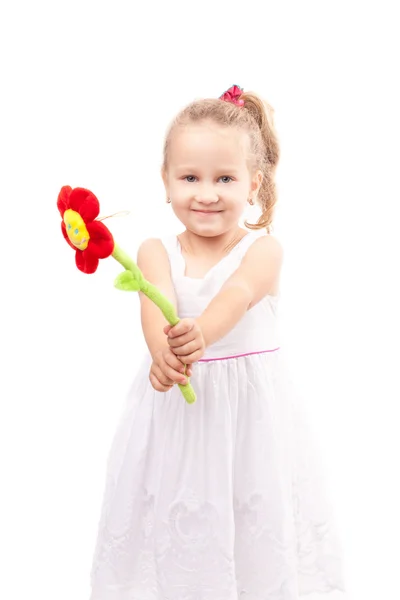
<point>127,282</point>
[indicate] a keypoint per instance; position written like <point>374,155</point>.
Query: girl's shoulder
<point>165,244</point>
<point>261,241</point>
<point>152,256</point>
<point>263,245</point>
<point>262,262</point>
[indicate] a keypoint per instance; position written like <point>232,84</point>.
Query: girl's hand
<point>186,340</point>
<point>166,370</point>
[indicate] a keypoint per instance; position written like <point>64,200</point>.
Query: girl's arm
<point>255,278</point>
<point>152,260</point>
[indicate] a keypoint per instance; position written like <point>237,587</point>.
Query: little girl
<point>220,499</point>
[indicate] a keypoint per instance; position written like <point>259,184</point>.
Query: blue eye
<point>69,226</point>
<point>76,231</point>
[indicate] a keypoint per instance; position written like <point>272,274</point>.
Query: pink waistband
<point>237,355</point>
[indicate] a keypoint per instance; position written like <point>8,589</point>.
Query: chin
<point>209,231</point>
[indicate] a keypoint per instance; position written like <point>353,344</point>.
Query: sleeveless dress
<point>221,499</point>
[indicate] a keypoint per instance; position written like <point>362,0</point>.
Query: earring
<point>251,201</point>
<point>168,200</point>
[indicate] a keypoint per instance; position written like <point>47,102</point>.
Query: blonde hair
<point>256,118</point>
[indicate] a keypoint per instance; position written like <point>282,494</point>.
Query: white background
<point>87,92</point>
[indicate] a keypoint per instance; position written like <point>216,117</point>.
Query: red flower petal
<point>101,242</point>
<point>86,262</point>
<point>85,203</point>
<point>63,199</point>
<point>65,234</point>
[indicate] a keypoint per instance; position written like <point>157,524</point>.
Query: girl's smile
<point>206,212</point>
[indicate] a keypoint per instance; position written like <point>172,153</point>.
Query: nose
<point>207,195</point>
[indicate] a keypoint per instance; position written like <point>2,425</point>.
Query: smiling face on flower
<point>76,229</point>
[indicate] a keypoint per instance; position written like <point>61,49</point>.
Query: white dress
<point>221,499</point>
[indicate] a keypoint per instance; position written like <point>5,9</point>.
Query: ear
<point>165,180</point>
<point>256,182</point>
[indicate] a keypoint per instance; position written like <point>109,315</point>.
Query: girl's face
<point>208,180</point>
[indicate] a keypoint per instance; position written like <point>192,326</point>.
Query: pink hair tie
<point>233,95</point>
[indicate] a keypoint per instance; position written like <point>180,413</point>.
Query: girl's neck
<point>217,246</point>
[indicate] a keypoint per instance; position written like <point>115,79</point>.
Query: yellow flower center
<point>76,229</point>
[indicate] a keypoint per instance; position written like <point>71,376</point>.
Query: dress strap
<point>170,244</point>
<point>248,240</point>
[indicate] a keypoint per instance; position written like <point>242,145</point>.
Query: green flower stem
<point>159,299</point>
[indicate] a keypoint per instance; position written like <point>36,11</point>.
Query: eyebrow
<point>192,168</point>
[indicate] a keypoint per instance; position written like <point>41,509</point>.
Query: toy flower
<point>233,95</point>
<point>91,239</point>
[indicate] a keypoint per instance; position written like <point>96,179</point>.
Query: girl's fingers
<point>174,362</point>
<point>168,371</point>
<point>178,365</point>
<point>161,376</point>
<point>183,366</point>
<point>175,376</point>
<point>171,373</point>
<point>181,340</point>
<point>189,359</point>
<point>157,385</point>
<point>186,349</point>
<point>184,326</point>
